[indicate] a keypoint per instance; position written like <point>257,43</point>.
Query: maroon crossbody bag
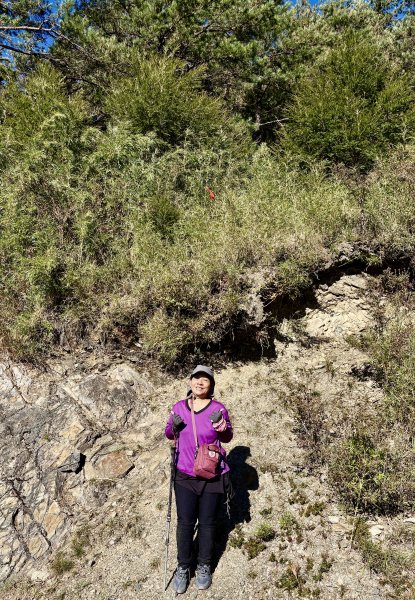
<point>207,456</point>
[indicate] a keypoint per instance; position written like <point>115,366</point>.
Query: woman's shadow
<point>244,479</point>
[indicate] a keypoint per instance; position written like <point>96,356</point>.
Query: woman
<point>197,499</point>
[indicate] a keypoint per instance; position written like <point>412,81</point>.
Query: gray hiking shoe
<point>181,580</point>
<point>203,577</point>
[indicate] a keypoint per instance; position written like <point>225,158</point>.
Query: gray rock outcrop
<point>60,437</point>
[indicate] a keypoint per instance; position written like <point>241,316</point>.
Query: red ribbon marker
<point>210,192</point>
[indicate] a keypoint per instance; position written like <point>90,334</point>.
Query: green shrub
<point>354,103</point>
<point>290,527</point>
<point>81,541</point>
<point>390,563</point>
<point>265,532</point>
<point>237,538</point>
<point>372,468</point>
<point>160,96</point>
<point>368,476</point>
<point>255,543</point>
<point>393,353</point>
<point>163,215</point>
<point>253,547</point>
<point>108,235</point>
<point>61,564</point>
<point>314,509</point>
<point>291,581</point>
<point>389,203</point>
<point>309,414</point>
<point>324,567</point>
<point>136,250</point>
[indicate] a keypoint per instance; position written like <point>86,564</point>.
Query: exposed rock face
<point>343,308</point>
<point>60,435</point>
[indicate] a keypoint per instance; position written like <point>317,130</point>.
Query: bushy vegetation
<point>367,445</point>
<point>354,104</point>
<point>299,120</point>
<point>369,451</point>
<point>373,467</point>
<point>394,565</point>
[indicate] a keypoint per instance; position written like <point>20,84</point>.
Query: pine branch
<point>27,53</point>
<point>48,30</point>
<point>26,28</point>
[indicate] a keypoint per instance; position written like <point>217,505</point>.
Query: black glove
<point>218,422</point>
<point>216,416</point>
<point>177,424</point>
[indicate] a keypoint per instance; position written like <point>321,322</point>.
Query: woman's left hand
<point>218,422</point>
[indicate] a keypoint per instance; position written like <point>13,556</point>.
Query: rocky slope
<point>85,471</point>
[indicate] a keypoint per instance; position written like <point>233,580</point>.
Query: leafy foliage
<point>369,476</point>
<point>27,27</point>
<point>353,105</point>
<point>107,148</point>
<point>372,465</point>
<point>233,41</point>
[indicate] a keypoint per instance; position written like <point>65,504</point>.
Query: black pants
<point>192,508</point>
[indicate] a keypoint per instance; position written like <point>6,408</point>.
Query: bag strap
<point>194,427</point>
<point>194,423</point>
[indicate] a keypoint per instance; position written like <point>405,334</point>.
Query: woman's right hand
<point>177,424</point>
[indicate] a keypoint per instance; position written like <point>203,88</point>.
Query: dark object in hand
<point>178,424</point>
<point>216,416</point>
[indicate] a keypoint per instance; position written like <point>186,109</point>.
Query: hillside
<point>160,166</point>
<point>95,528</point>
<point>229,182</point>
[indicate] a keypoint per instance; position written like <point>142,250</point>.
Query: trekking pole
<point>167,538</point>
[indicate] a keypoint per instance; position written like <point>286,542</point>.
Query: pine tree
<point>353,105</point>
